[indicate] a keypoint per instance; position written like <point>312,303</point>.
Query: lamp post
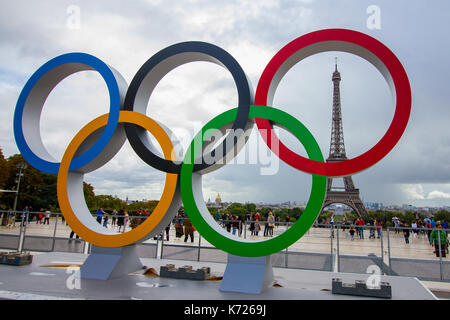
<point>21,166</point>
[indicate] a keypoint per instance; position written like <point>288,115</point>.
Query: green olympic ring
<point>204,222</point>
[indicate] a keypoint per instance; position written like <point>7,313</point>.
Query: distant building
<point>216,204</point>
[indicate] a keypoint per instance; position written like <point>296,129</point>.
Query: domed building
<point>216,204</point>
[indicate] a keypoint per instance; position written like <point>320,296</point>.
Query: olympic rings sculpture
<point>98,142</point>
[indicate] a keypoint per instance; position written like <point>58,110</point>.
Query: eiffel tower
<point>348,194</point>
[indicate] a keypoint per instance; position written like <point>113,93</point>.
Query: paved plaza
<point>317,240</point>
<point>316,250</point>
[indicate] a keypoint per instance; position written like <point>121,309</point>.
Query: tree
<point>31,184</point>
<point>89,196</point>
<point>236,209</point>
<point>4,172</point>
<point>442,215</point>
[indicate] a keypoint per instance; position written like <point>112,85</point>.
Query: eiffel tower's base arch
<point>349,198</point>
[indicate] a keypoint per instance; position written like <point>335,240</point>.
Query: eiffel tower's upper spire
<point>337,147</point>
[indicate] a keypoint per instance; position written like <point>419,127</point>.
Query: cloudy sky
<point>126,34</point>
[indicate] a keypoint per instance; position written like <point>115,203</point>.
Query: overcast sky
<point>126,34</point>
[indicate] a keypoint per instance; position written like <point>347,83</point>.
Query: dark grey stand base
<point>16,258</point>
<point>360,289</point>
<point>185,272</point>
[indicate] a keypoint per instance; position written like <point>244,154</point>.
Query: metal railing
<point>335,247</point>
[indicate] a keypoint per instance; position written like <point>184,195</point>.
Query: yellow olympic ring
<point>108,239</point>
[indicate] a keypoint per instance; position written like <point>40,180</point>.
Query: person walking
<point>47,217</point>
<point>378,225</point>
<point>241,225</point>
<point>113,218</point>
<point>72,234</point>
<point>271,224</point>
<point>179,226</point>
<point>252,225</point>
<point>105,219</point>
<point>167,231</point>
<point>257,228</point>
<point>99,214</point>
<point>228,222</point>
<point>360,223</point>
<point>266,226</point>
<point>352,233</point>
<point>234,224</point>
<point>406,233</point>
<point>438,238</point>
<point>12,219</point>
<point>188,230</point>
<point>120,219</point>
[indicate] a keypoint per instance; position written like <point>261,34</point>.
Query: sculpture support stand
<point>247,275</point>
<point>110,263</point>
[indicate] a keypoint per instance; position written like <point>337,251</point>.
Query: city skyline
<point>415,172</point>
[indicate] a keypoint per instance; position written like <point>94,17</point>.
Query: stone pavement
<point>38,281</point>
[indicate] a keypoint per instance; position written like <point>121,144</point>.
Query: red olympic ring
<point>347,41</point>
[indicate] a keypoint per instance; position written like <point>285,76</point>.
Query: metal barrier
<point>323,247</point>
<point>354,256</point>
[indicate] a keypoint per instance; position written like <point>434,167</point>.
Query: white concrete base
<point>110,263</point>
<point>247,275</point>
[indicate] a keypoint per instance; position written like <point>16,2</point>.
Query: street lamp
<point>21,166</point>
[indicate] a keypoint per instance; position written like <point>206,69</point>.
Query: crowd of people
<point>236,224</point>
<point>435,231</point>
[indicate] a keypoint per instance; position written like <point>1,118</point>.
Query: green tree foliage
<point>236,209</point>
<point>31,185</point>
<point>134,206</point>
<point>107,203</point>
<point>442,215</point>
<point>4,172</point>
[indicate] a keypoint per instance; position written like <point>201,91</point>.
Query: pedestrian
<point>271,224</point>
<point>218,215</point>
<point>352,233</point>
<point>188,229</point>
<point>12,219</point>
<point>234,224</point>
<point>105,219</point>
<point>228,222</point>
<point>72,234</point>
<point>438,238</point>
<point>257,228</point>
<point>25,216</point>
<point>100,213</point>
<point>167,231</point>
<point>113,218</point>
<point>360,222</point>
<point>241,225</point>
<point>179,226</point>
<point>371,229</point>
<point>445,226</point>
<point>414,228</point>
<point>252,224</point>
<point>120,219</point>
<point>47,217</point>
<point>287,220</point>
<point>378,225</point>
<point>40,216</point>
<point>266,226</point>
<point>406,233</point>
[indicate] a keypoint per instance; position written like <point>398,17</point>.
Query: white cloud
<point>438,195</point>
<point>126,35</point>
